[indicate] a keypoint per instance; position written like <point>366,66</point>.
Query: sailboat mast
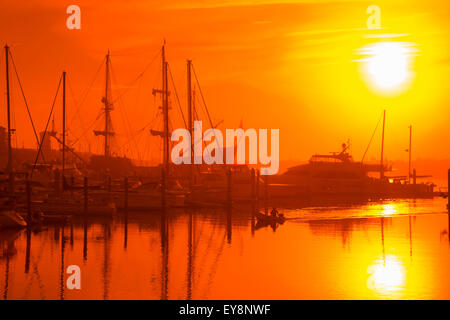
<point>382,147</point>
<point>107,108</point>
<point>64,125</point>
<point>409,153</point>
<point>9,166</point>
<point>190,116</point>
<point>165,107</point>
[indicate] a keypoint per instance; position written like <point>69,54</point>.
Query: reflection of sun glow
<point>387,65</point>
<point>387,276</point>
<point>388,209</point>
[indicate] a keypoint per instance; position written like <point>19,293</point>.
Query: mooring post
<point>125,208</point>
<point>125,204</point>
<point>252,182</point>
<point>266,193</point>
<point>28,186</point>
<point>163,188</point>
<point>258,177</point>
<point>85,196</point>
<point>229,187</point>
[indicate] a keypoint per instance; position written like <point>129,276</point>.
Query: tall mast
<point>382,147</point>
<point>107,108</point>
<point>64,125</point>
<point>190,116</point>
<point>165,106</point>
<point>107,132</point>
<point>9,166</point>
<point>409,152</point>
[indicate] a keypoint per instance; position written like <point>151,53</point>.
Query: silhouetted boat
<point>337,174</point>
<point>269,219</point>
<point>11,219</point>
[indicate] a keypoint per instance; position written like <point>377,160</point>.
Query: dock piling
<point>448,191</point>
<point>257,189</point>
<point>252,182</point>
<point>229,188</point>
<point>163,188</point>
<point>266,194</point>
<point>28,187</point>
<point>85,196</point>
<point>125,204</point>
<point>257,186</point>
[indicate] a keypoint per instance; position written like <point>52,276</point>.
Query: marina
<point>209,150</point>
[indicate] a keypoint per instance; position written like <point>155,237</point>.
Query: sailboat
<point>166,191</point>
<point>61,201</point>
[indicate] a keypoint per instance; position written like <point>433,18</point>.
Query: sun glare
<point>387,276</point>
<point>387,65</point>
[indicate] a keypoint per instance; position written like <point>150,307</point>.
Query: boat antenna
<point>382,147</point>
<point>409,153</point>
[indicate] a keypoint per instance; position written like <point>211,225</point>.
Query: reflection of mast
<point>5,290</point>
<point>382,147</point>
<point>28,251</point>
<point>61,279</point>
<point>229,226</point>
<point>190,268</point>
<point>382,240</point>
<point>106,233</point>
<point>107,133</point>
<point>164,256</point>
<point>85,243</point>
<point>410,237</point>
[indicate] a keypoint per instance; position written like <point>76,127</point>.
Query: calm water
<point>395,249</point>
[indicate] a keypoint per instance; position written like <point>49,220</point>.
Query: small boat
<point>269,219</point>
<point>11,219</point>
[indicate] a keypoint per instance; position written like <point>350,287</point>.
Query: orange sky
<point>290,65</point>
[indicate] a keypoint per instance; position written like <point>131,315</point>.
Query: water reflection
<point>388,209</point>
<point>343,252</point>
<point>387,277</point>
<point>164,256</point>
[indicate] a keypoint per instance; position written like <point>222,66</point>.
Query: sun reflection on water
<point>388,209</point>
<point>387,277</point>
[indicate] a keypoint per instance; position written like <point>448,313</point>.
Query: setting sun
<point>388,64</point>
